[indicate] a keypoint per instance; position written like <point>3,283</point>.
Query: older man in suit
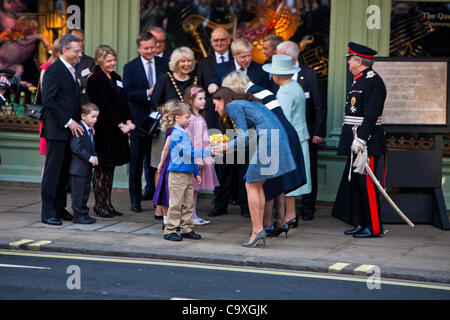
<point>139,78</point>
<point>84,67</point>
<point>242,61</point>
<point>61,100</point>
<point>316,117</point>
<point>220,42</point>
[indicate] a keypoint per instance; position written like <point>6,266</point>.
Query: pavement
<point>421,253</point>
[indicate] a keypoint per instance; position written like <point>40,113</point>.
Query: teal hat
<point>281,64</point>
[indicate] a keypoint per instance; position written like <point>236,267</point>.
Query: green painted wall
<point>116,23</point>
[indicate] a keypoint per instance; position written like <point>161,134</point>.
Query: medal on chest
<point>353,102</point>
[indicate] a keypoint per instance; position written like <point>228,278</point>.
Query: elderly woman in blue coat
<point>292,100</point>
<point>269,153</point>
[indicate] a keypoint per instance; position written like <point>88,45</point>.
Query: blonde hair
<point>240,45</point>
<point>178,54</point>
<point>237,81</point>
<point>55,51</point>
<point>171,109</point>
<point>102,51</point>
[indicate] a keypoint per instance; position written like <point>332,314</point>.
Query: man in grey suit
<point>83,159</point>
<point>84,67</point>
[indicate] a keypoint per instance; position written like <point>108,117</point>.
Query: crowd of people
<point>93,119</point>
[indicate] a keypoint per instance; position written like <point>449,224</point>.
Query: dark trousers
<point>80,188</point>
<point>149,173</point>
<point>55,179</point>
<point>358,202</point>
<point>138,148</point>
<point>308,207</point>
<point>231,186</point>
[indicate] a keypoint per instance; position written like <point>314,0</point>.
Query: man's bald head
<point>220,40</point>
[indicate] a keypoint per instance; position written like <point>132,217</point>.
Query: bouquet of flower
<point>218,138</point>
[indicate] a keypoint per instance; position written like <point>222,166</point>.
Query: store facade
<point>117,24</point>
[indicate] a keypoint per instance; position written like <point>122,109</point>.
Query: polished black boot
<point>367,234</point>
<point>353,231</point>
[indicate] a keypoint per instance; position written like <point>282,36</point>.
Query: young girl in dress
<point>161,197</point>
<point>198,130</point>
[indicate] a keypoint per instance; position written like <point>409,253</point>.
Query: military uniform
<point>357,201</point>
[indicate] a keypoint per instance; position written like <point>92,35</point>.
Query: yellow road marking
<point>363,269</point>
<point>17,244</point>
<point>35,246</point>
<point>221,268</point>
<point>337,267</point>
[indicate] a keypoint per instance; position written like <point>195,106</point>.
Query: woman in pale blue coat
<point>292,100</point>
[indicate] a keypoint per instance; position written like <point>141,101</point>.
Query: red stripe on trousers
<point>372,200</point>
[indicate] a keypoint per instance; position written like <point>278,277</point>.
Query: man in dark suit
<point>162,50</point>
<point>84,67</point>
<point>139,78</point>
<point>61,100</point>
<point>316,117</point>
<point>220,42</point>
<point>242,61</point>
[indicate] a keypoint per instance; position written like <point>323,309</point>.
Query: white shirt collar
<point>226,56</point>
<point>238,67</point>
<point>68,65</point>
<point>85,125</point>
<point>146,62</point>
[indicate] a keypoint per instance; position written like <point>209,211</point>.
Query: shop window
<point>27,32</point>
<point>419,29</point>
<point>303,21</point>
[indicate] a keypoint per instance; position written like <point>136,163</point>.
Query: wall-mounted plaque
<point>417,91</point>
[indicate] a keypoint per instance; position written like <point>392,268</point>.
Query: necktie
<point>222,59</point>
<point>72,70</point>
<point>242,69</point>
<point>91,137</point>
<point>150,75</point>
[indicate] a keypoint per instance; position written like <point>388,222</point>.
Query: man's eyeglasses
<point>219,40</point>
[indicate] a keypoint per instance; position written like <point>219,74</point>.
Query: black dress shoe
<point>367,234</point>
<point>353,231</point>
<point>65,215</point>
<point>84,220</point>
<point>216,212</point>
<point>173,236</point>
<point>136,208</point>
<point>191,235</point>
<point>52,221</point>
<point>307,218</point>
<point>103,214</point>
<point>115,213</point>
<point>147,196</point>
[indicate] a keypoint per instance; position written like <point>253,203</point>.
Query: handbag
<point>150,125</point>
<point>35,110</point>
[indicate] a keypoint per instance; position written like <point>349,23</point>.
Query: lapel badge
<point>370,74</point>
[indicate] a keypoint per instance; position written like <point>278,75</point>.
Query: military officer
<point>357,201</point>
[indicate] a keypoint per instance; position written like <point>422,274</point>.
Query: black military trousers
<point>358,201</point>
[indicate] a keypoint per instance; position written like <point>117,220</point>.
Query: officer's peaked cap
<point>355,49</point>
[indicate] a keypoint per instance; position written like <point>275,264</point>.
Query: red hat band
<point>368,56</point>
